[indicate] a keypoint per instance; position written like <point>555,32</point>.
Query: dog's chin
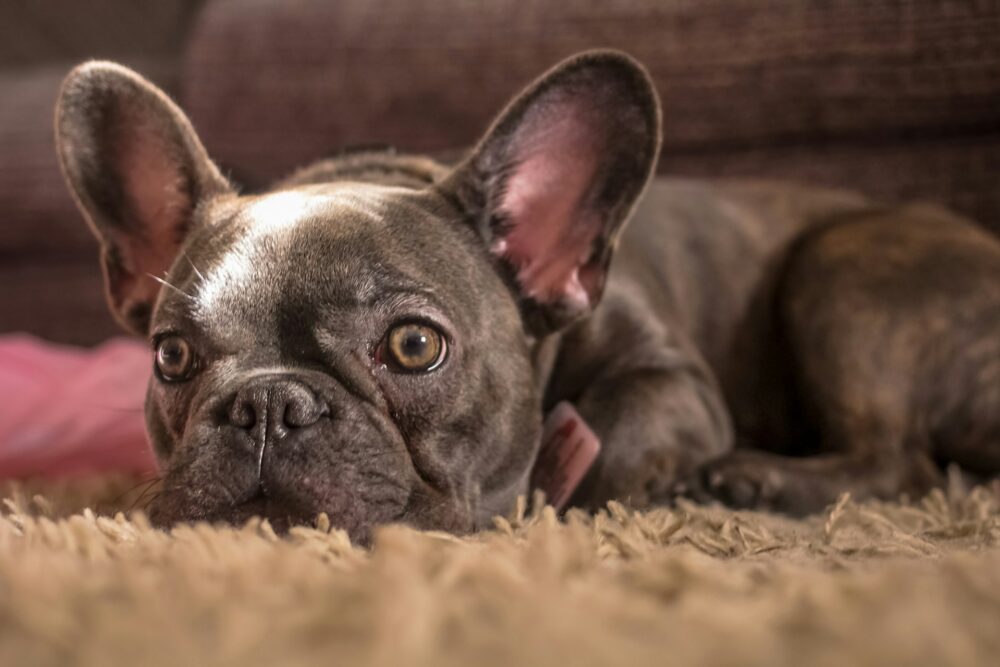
<point>281,517</point>
<point>423,509</point>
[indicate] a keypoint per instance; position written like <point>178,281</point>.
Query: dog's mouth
<point>279,515</point>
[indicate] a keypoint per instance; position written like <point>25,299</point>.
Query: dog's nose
<point>280,405</point>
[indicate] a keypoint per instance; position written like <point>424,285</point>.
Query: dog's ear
<point>555,178</point>
<point>137,171</point>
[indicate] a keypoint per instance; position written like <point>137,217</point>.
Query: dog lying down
<point>379,336</point>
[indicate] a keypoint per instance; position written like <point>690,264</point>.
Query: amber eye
<point>174,359</point>
<point>415,347</point>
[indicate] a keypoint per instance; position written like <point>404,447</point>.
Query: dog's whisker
<point>146,483</point>
<point>152,499</point>
<point>173,287</point>
<point>194,268</point>
<point>146,490</point>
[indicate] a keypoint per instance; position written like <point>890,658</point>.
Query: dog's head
<point>355,348</point>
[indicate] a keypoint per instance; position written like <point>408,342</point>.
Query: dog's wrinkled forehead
<point>280,251</point>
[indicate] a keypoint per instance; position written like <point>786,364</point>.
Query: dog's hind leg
<point>892,324</point>
<point>966,404</point>
<point>871,444</point>
<point>798,486</point>
<point>885,450</point>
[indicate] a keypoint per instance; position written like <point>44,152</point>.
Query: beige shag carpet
<point>865,584</point>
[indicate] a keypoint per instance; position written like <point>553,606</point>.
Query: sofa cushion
<point>38,33</point>
<point>272,84</point>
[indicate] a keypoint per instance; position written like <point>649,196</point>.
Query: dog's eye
<point>175,359</point>
<point>415,348</point>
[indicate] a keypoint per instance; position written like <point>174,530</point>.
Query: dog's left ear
<point>555,178</point>
<point>138,172</point>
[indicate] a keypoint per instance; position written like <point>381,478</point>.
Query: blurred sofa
<point>900,99</point>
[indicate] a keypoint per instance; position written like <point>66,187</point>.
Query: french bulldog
<point>379,336</point>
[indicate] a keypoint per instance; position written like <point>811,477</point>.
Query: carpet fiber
<point>865,584</point>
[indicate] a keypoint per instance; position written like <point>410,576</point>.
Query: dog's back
<point>711,256</point>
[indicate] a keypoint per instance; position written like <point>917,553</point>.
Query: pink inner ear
<point>155,189</point>
<point>552,230</point>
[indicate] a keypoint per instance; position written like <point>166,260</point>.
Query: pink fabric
<point>68,411</point>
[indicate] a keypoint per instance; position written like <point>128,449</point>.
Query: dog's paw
<point>741,482</point>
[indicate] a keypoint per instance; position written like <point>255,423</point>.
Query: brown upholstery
<point>899,99</point>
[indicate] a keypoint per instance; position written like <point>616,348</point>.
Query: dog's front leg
<point>656,426</point>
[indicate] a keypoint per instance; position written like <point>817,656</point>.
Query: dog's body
<point>803,321</point>
<point>854,346</point>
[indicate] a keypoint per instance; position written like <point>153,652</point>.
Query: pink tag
<point>568,450</point>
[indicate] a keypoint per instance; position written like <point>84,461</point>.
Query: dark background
<point>899,99</point>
